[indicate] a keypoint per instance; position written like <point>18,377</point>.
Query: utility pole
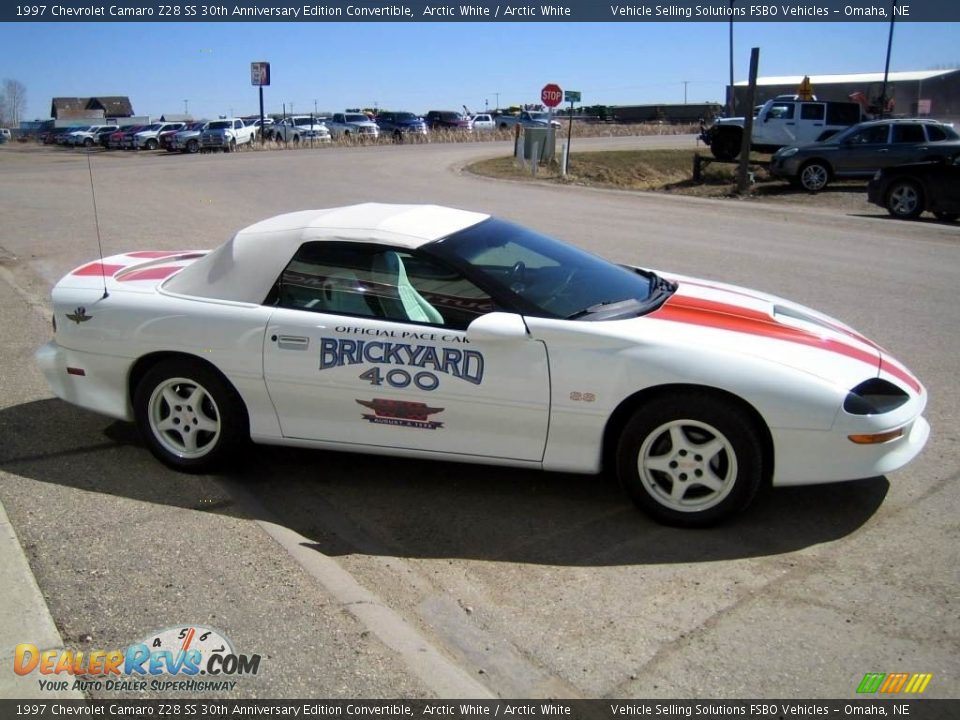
<point>886,69</point>
<point>685,83</point>
<point>730,99</point>
<point>185,110</point>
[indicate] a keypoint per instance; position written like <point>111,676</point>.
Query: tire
<point>190,417</point>
<point>905,200</point>
<point>88,142</point>
<point>232,147</point>
<point>152,144</point>
<point>664,459</point>
<point>193,146</point>
<point>397,136</point>
<point>946,216</point>
<point>814,176</point>
<point>725,145</point>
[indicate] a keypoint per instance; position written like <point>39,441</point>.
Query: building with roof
<point>91,109</point>
<point>917,93</point>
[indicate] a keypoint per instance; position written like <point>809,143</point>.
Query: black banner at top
<point>483,11</point>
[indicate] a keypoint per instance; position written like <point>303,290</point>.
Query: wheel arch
<point>147,362</point>
<point>631,405</point>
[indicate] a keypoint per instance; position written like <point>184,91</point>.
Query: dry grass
<point>664,170</point>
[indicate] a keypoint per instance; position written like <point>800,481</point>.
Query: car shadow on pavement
<point>345,503</point>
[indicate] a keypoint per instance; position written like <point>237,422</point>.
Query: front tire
<point>190,417</point>
<point>814,176</point>
<point>905,200</point>
<point>690,460</point>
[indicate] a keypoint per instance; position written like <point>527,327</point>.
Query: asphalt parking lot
<point>356,576</point>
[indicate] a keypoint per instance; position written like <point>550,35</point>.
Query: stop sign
<point>551,95</point>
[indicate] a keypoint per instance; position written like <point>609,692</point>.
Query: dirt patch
<point>671,171</point>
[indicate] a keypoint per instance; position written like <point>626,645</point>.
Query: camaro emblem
<point>79,315</point>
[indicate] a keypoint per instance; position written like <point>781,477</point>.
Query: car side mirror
<point>497,327</point>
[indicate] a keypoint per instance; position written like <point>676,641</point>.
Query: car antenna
<point>96,218</point>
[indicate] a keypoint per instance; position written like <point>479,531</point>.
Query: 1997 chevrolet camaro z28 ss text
<point>432,332</point>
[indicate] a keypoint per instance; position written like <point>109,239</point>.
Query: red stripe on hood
<point>722,316</point>
<point>96,268</point>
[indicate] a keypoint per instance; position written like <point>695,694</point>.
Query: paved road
<point>358,577</point>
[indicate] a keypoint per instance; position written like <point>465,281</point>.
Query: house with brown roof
<point>92,108</point>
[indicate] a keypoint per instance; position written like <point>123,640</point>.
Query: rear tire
<point>189,416</point>
<point>905,200</point>
<point>690,460</point>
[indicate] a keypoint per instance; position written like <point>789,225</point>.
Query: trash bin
<point>544,137</point>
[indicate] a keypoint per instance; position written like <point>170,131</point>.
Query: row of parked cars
<point>913,165</point>
<point>230,133</point>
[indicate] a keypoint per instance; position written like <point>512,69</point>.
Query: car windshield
<point>304,121</point>
<point>404,116</point>
<point>220,124</point>
<point>548,278</point>
<point>155,126</point>
<point>538,115</point>
<point>356,117</point>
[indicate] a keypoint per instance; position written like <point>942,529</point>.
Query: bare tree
<point>15,100</point>
<point>3,110</point>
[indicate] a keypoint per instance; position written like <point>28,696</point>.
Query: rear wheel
<point>814,176</point>
<point>690,460</point>
<point>190,418</point>
<point>905,200</point>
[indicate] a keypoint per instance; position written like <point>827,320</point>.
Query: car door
<point>908,144</point>
<point>858,152</point>
<point>368,347</point>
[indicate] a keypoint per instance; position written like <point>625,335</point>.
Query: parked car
<point>227,134</point>
<point>5,135</point>
<point>301,128</point>
<point>861,150</point>
<point>448,120</point>
<point>431,332</point>
<point>126,140</point>
<point>87,136</point>
<point>907,190</point>
<point>350,124</point>
<point>398,124</point>
<point>267,131</point>
<point>483,122</point>
<point>187,140</point>
<point>149,137</point>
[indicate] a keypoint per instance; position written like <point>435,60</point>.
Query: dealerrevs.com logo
<point>190,658</point>
<point>893,683</point>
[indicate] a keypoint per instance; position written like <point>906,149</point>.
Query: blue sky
<point>423,66</point>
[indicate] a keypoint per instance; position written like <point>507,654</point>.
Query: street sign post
<point>260,76</point>
<point>571,96</point>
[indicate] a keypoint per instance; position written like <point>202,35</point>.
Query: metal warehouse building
<point>920,93</point>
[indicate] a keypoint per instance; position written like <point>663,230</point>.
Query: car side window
<point>812,111</point>
<point>908,133</point>
<point>874,135</point>
<point>366,280</point>
<point>782,111</point>
<point>935,133</point>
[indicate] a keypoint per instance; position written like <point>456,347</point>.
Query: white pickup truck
<point>301,128</point>
<point>526,119</point>
<point>785,120</point>
<point>353,125</point>
<point>227,134</point>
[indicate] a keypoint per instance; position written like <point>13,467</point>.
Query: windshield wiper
<point>606,306</point>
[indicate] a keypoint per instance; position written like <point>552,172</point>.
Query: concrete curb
<point>24,618</point>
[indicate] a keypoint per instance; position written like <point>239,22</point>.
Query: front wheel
<point>190,418</point>
<point>690,460</point>
<point>905,200</point>
<point>152,144</point>
<point>814,176</point>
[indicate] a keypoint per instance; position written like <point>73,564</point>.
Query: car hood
<point>737,320</point>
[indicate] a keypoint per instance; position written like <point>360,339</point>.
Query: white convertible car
<point>432,332</point>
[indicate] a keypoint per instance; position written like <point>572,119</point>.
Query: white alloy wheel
<point>184,418</point>
<point>687,465</point>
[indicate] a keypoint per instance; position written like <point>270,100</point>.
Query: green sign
<point>571,96</point>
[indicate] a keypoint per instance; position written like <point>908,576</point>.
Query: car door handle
<point>884,150</point>
<point>292,342</point>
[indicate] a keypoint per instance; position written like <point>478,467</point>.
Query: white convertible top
<point>244,268</point>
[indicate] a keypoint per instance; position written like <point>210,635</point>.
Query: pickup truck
<point>352,124</point>
<point>301,128</point>
<point>526,119</point>
<point>149,137</point>
<point>227,134</point>
<point>781,122</point>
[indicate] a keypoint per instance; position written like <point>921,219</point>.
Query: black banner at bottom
<point>911,709</point>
